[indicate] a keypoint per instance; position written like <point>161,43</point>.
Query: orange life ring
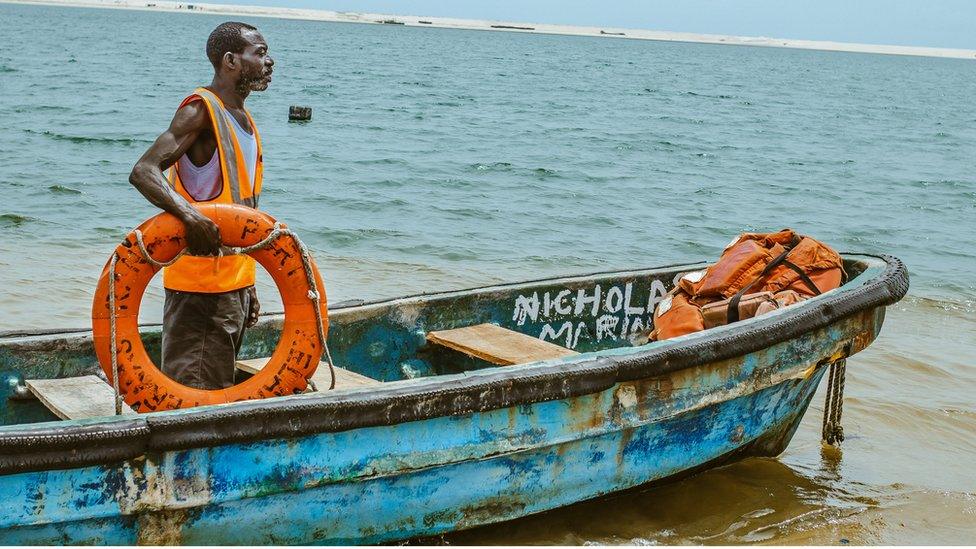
<point>141,383</point>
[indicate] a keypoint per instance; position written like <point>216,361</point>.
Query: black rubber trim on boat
<point>60,447</point>
<point>54,446</point>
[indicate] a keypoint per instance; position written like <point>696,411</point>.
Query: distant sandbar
<point>502,26</point>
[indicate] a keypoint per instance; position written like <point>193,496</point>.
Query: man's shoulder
<point>192,115</point>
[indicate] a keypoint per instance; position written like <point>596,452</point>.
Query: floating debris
<point>299,113</point>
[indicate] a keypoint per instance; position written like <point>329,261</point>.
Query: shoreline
<point>502,26</point>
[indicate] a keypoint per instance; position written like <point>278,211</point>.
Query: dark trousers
<point>202,334</point>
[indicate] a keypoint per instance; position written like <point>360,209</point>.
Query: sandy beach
<point>504,26</point>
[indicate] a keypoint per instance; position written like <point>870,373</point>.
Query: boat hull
<point>444,443</point>
<point>422,478</point>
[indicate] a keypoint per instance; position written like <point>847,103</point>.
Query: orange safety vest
<point>208,274</point>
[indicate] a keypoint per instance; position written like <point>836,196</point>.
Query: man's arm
<point>202,235</point>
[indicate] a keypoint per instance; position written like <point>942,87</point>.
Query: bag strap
<point>803,276</point>
<point>733,311</point>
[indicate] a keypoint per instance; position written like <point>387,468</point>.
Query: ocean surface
<point>444,159</point>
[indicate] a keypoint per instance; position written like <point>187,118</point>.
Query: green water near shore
<point>442,159</point>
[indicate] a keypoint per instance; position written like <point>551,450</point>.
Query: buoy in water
<point>299,113</point>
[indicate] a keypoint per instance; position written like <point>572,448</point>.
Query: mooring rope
<point>276,232</point>
<point>833,433</point>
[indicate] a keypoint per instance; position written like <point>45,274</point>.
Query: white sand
<point>472,24</point>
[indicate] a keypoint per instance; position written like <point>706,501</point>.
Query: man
<point>213,152</point>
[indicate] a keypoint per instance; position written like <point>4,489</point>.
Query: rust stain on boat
<point>161,527</point>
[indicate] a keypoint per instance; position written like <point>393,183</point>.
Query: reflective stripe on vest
<point>206,274</point>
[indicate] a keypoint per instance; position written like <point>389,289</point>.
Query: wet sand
<point>505,26</point>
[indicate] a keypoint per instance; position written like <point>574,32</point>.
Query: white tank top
<point>205,182</point>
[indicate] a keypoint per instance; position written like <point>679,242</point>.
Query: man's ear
<point>230,60</point>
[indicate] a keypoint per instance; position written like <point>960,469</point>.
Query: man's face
<point>256,64</point>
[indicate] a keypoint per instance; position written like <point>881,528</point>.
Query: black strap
<point>803,276</point>
<point>732,314</point>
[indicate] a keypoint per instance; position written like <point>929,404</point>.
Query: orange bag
<point>681,317</point>
<point>755,262</point>
<point>717,313</point>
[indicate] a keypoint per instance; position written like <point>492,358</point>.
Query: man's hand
<point>254,307</point>
<point>202,235</point>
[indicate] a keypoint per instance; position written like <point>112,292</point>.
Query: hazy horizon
<point>940,23</point>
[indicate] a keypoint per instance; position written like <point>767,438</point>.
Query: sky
<point>938,23</point>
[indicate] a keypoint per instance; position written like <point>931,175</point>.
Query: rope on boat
<point>277,232</point>
<point>833,433</point>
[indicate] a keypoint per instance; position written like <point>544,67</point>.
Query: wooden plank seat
<point>498,345</point>
<point>344,378</point>
<point>90,396</point>
<point>77,397</point>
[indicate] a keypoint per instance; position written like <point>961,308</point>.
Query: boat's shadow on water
<point>755,500</point>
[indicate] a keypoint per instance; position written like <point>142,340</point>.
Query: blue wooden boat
<point>444,440</point>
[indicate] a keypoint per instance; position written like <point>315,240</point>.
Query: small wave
<point>962,305</point>
<point>681,119</point>
<point>41,108</point>
<point>15,220</point>
<point>61,189</point>
<point>942,183</point>
<point>392,183</point>
<point>494,167</point>
<point>81,139</point>
<point>350,237</point>
<point>394,161</point>
<point>465,212</point>
<point>7,68</point>
<point>722,96</point>
<point>368,203</point>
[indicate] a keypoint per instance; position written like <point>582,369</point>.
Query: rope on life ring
<point>159,242</point>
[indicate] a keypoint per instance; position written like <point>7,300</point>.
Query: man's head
<point>239,52</point>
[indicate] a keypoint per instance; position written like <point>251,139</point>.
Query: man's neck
<point>228,93</point>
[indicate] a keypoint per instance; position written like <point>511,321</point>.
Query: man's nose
<point>269,62</point>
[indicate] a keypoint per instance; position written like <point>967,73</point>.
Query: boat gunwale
<point>8,336</point>
<point>52,445</point>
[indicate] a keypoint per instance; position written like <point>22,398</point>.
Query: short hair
<point>227,37</point>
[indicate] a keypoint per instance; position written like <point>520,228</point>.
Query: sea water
<point>443,159</point>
